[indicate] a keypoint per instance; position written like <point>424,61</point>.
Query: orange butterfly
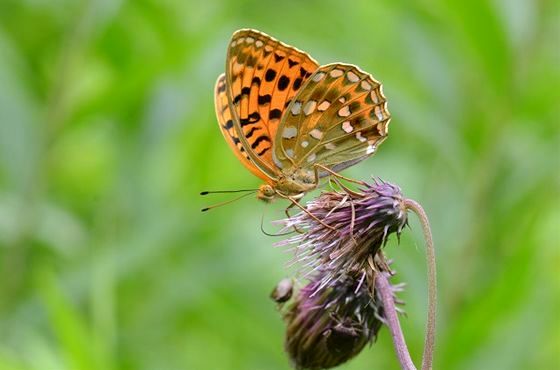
<point>291,121</point>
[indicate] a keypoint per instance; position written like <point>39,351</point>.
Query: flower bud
<point>282,291</point>
<point>327,329</point>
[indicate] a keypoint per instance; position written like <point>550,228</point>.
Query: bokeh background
<point>108,134</point>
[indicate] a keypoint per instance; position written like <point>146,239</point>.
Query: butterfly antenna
<point>226,202</point>
<point>225,191</point>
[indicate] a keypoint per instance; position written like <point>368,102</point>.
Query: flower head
<point>362,222</point>
<point>327,329</point>
<point>349,296</point>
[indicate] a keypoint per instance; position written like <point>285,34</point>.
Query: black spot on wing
<point>228,125</point>
<point>297,83</point>
<point>264,150</point>
<point>251,120</point>
<point>251,132</point>
<point>264,99</point>
<point>270,75</point>
<point>291,62</point>
<point>283,83</point>
<point>244,91</point>
<point>256,81</point>
<point>278,57</point>
<point>259,140</point>
<point>275,114</point>
<point>255,116</point>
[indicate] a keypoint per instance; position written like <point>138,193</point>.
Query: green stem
<point>428,355</point>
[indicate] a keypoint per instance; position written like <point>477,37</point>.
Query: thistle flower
<point>362,222</point>
<point>338,249</point>
<point>327,329</point>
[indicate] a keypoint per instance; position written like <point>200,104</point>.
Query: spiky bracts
<point>338,252</point>
<point>360,223</point>
<point>326,329</point>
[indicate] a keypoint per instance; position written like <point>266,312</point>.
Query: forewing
<point>262,75</point>
<point>337,119</point>
<point>225,121</point>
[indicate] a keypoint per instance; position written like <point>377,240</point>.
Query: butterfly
<point>291,121</point>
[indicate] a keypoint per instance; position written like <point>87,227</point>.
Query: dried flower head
<point>362,222</point>
<point>327,329</point>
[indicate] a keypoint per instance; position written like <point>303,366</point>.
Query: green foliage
<point>107,134</point>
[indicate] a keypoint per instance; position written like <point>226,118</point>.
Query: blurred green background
<point>107,134</point>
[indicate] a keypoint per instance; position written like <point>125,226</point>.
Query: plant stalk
<point>427,358</point>
<point>392,321</point>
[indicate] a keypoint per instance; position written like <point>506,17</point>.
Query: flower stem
<point>428,355</point>
<point>390,313</point>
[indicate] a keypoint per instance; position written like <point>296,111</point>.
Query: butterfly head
<point>266,193</point>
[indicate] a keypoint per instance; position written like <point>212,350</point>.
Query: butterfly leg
<point>336,175</point>
<point>350,194</point>
<point>296,229</point>
<point>296,203</point>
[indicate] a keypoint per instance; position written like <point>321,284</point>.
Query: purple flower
<point>362,222</point>
<point>327,329</point>
<point>348,296</point>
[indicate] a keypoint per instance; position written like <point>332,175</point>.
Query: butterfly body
<point>291,121</point>
<point>294,186</point>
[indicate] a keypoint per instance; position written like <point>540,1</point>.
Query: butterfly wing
<point>225,121</point>
<point>262,76</point>
<point>337,119</point>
